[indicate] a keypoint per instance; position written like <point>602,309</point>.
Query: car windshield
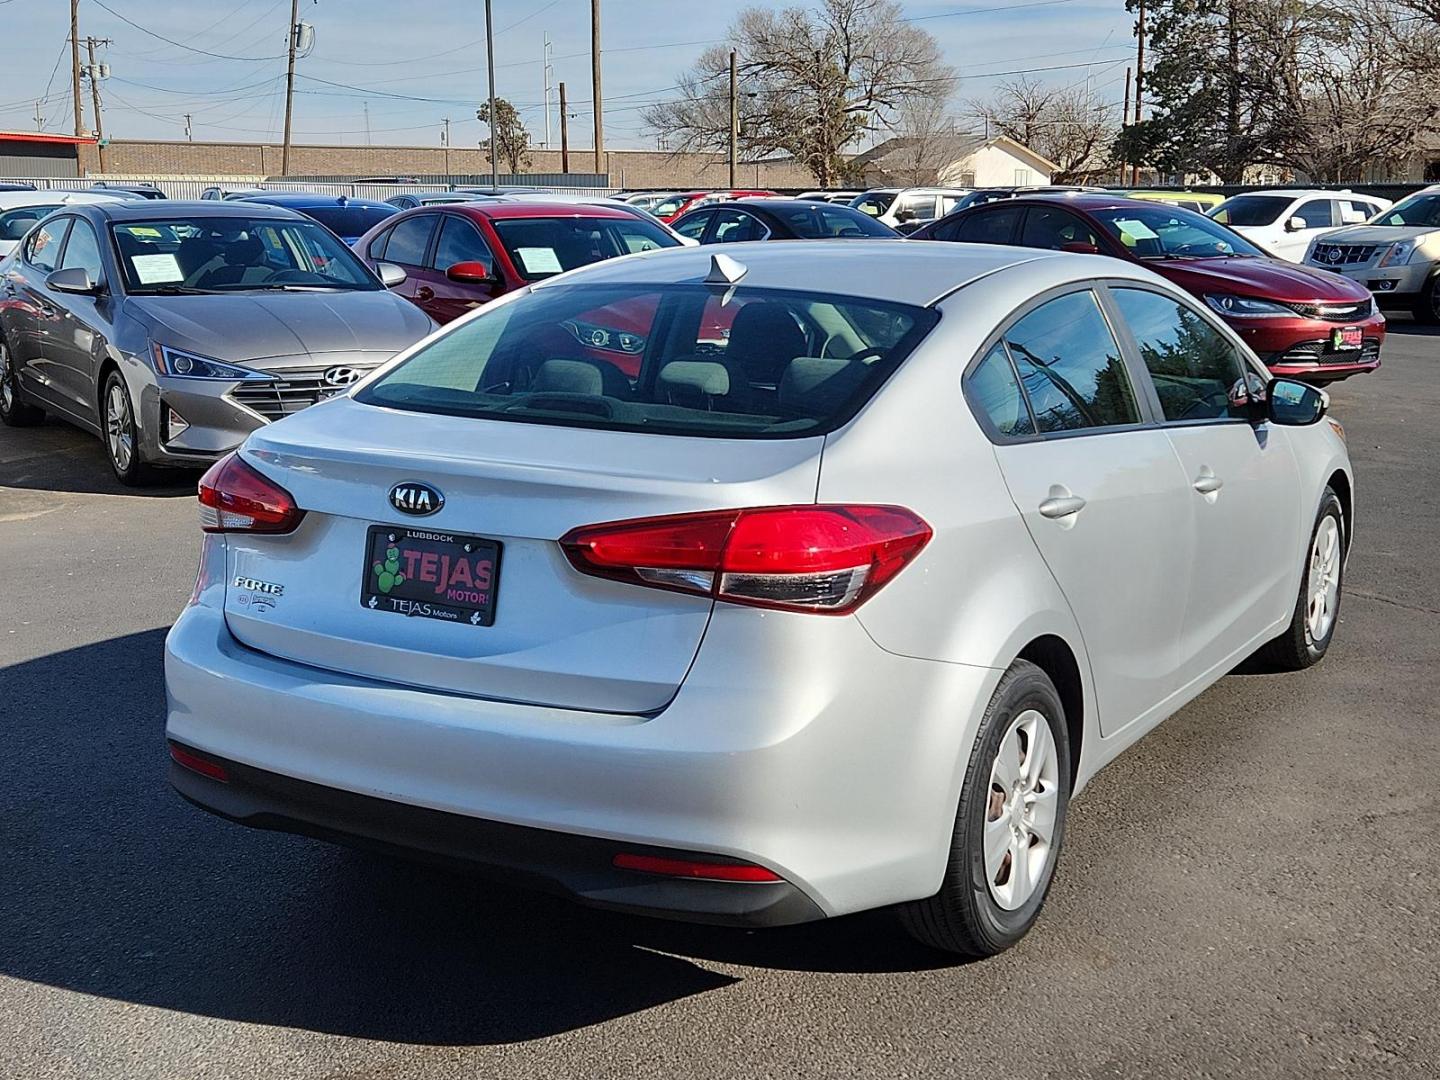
<point>821,220</point>
<point>671,204</point>
<point>1417,210</point>
<point>714,361</point>
<point>348,220</point>
<point>14,224</point>
<point>544,247</point>
<point>874,203</point>
<point>1251,209</point>
<point>230,254</point>
<point>1168,232</point>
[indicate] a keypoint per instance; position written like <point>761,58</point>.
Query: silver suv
<point>1396,254</point>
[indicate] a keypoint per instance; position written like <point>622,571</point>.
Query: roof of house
<point>950,148</point>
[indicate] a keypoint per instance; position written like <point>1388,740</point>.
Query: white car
<point>907,209</point>
<point>1284,222</point>
<point>19,210</point>
<point>1396,255</point>
<point>827,597</point>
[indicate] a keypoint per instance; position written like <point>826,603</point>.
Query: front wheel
<point>1317,608</point>
<point>1009,826</point>
<point>1427,308</point>
<point>122,433</point>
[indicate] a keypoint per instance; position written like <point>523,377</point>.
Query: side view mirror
<point>390,274</point>
<point>1295,224</point>
<point>902,216</point>
<point>471,273</point>
<point>1292,403</point>
<point>1080,247</point>
<point>75,280</point>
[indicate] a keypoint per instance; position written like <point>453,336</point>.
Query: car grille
<point>1318,352</point>
<point>1342,254</point>
<point>1334,312</point>
<point>290,390</point>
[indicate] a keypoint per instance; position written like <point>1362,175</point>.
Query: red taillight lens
<point>236,498</point>
<point>689,868</point>
<point>827,559</point>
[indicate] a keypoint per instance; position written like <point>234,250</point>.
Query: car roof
<point>159,210</point>
<point>1296,193</point>
<point>899,271</point>
<point>310,198</point>
<point>500,209</point>
<point>1080,200</point>
<point>773,203</point>
<point>13,200</point>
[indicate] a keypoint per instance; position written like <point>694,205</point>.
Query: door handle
<point>1061,506</point>
<point>1207,483</point>
<point>424,292</point>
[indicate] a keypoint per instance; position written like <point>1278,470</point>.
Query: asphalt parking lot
<point>1250,892</point>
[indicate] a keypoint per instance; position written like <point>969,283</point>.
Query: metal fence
<point>191,187</point>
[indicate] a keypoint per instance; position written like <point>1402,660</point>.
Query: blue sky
<point>389,53</point>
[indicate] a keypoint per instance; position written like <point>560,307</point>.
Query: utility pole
<point>366,106</point>
<point>293,33</point>
<point>445,134</point>
<point>1125,117</point>
<point>1139,83</point>
<point>39,120</point>
<point>75,67</point>
<point>95,72</point>
<point>548,72</point>
<point>564,133</point>
<point>734,118</point>
<point>494,120</point>
<point>595,95</point>
<point>189,133</point>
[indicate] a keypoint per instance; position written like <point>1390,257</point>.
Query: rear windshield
<point>1251,210</point>
<point>14,224</point>
<point>349,220</point>
<point>671,359</point>
<point>546,246</point>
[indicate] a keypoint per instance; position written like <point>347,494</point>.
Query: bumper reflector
<point>688,868</point>
<point>195,763</point>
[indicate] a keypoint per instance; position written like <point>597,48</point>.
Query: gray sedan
<point>173,330</point>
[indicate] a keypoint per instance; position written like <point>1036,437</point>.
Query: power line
<point>178,44</point>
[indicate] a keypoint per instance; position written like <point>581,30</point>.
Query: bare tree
<point>813,80</point>
<point>1067,125</point>
<point>925,135</point>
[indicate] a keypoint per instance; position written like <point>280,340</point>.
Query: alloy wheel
<point>1324,580</point>
<point>7,389</point>
<point>1020,812</point>
<point>119,436</point>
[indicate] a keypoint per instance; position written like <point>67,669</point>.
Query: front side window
<point>692,225</point>
<point>1168,232</point>
<point>543,247</point>
<point>731,363</point>
<point>988,226</point>
<point>735,226</point>
<point>1197,373</point>
<point>917,208</point>
<point>376,250</point>
<point>43,249</point>
<point>14,224</point>
<point>459,242</point>
<point>1070,366</point>
<point>223,254</point>
<point>82,251</point>
<point>995,391</point>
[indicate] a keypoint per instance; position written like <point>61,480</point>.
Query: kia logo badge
<point>341,376</point>
<point>413,497</point>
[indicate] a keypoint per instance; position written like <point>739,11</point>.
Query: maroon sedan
<point>1305,323</point>
<point>457,256</point>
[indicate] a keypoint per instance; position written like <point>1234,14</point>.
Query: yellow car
<point>1201,202</point>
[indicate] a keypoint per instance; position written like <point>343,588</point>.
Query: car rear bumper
<point>578,867</point>
<point>795,744</point>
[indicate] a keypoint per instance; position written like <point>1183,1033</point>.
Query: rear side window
<point>1070,366</point>
<point>988,227</point>
<point>735,226</point>
<point>692,226</point>
<point>1316,213</point>
<point>1197,373</point>
<point>671,359</point>
<point>43,249</point>
<point>994,390</point>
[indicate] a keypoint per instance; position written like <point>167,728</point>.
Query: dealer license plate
<point>430,574</point>
<point>1347,337</point>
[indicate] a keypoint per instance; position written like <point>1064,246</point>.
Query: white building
<point>954,160</point>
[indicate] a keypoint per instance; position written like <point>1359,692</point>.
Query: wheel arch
<point>1054,656</point>
<point>1339,482</point>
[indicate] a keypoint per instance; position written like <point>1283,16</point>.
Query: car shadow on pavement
<point>1401,324</point>
<point>113,886</point>
<point>57,457</point>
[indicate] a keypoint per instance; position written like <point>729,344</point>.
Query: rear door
<point>408,247</point>
<point>34,325</point>
<point>1243,486</point>
<point>1100,492</point>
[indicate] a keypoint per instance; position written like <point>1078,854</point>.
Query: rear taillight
<point>236,498</point>
<point>827,559</point>
<point>704,870</point>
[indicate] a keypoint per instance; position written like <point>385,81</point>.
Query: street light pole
<point>490,64</point>
<point>595,96</point>
<point>75,68</point>
<point>734,119</point>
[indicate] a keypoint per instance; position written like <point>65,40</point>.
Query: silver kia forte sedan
<point>757,587</point>
<point>173,330</point>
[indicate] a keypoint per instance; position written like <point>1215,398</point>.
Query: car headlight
<point>179,364</point>
<point>1244,307</point>
<point>1398,253</point>
<point>603,337</point>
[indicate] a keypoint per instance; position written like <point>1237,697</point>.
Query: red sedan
<point>682,202</point>
<point>1301,322</point>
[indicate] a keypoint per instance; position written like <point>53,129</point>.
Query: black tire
<point>129,470</point>
<point>1427,308</point>
<point>1298,648</point>
<point>964,917</point>
<point>15,411</point>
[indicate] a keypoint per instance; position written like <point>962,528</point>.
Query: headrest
<point>813,385</point>
<point>559,376</point>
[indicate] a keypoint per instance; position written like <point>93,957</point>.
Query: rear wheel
<point>14,410</point>
<point>1009,826</point>
<point>1317,609</point>
<point>1427,308</point>
<point>122,433</point>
